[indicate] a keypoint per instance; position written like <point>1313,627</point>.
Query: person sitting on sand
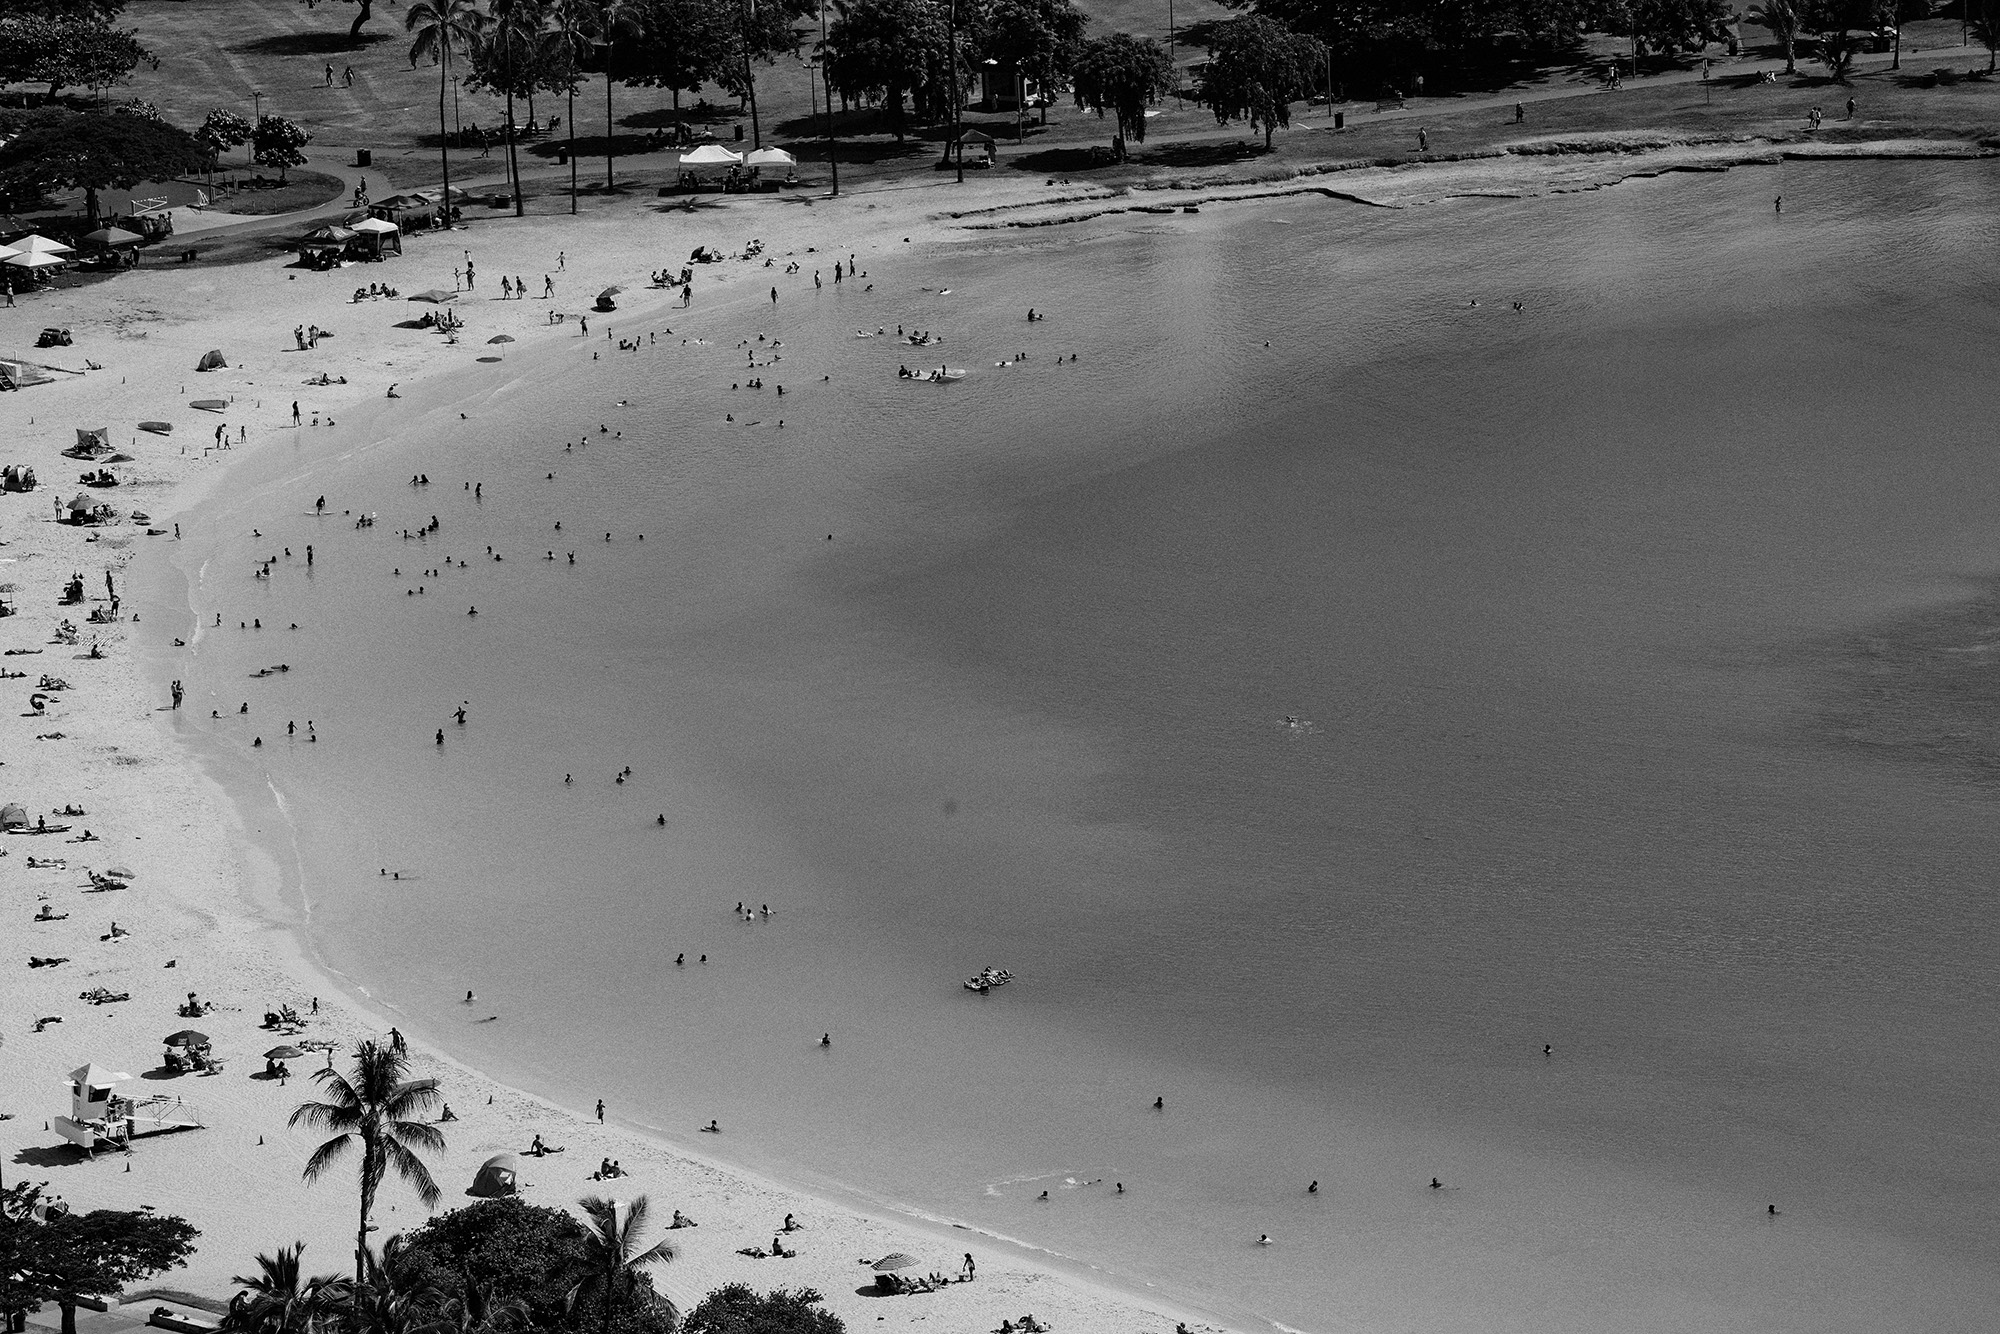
<point>448,1114</point>
<point>682,1220</point>
<point>791,1224</point>
<point>538,1148</point>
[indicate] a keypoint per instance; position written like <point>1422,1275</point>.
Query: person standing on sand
<point>1423,140</point>
<point>295,412</point>
<point>548,287</point>
<point>562,260</point>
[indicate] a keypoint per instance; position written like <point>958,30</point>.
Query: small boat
<point>986,979</point>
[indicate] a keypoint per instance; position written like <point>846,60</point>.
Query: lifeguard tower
<point>98,1116</point>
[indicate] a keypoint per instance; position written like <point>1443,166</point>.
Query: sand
<point>204,913</point>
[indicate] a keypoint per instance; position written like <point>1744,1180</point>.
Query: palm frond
<point>412,1170</point>
<point>326,1155</point>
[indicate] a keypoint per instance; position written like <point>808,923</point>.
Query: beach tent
<point>34,259</point>
<point>498,1176</point>
<point>980,142</point>
<point>93,437</point>
<point>770,157</point>
<point>113,237</point>
<point>378,237</point>
<point>12,816</point>
<point>211,360</point>
<point>712,155</point>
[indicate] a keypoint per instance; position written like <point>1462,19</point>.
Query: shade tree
<point>1122,74</point>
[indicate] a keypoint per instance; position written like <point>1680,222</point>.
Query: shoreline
<point>251,921</point>
<point>245,934</point>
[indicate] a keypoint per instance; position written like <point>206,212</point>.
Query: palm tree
<point>375,1106</point>
<point>568,35</point>
<point>513,41</point>
<point>279,1298</point>
<point>475,1310</point>
<point>442,27</point>
<point>1781,19</point>
<point>610,20</point>
<point>611,1255</point>
<point>1985,26</point>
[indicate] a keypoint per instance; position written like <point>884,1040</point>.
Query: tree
<point>1040,38</point>
<point>374,1106</point>
<point>46,1256</point>
<point>1985,24</point>
<point>737,1309</point>
<point>567,39</point>
<point>1255,69</point>
<point>366,12</point>
<point>277,142</point>
<point>610,1265</point>
<point>69,52</point>
<point>67,150</point>
<point>1780,18</point>
<point>1122,73</point>
<point>679,45</point>
<point>1672,26</point>
<point>1836,23</point>
<point>279,1298</point>
<point>610,21</point>
<point>761,33</point>
<point>893,48</point>
<point>510,58</point>
<point>443,28</point>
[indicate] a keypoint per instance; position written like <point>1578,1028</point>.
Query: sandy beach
<point>211,910</point>
<point>205,913</point>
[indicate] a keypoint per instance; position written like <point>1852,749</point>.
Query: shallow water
<point>1583,607</point>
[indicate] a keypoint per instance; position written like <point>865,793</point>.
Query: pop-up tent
<point>711,155</point>
<point>93,438</point>
<point>114,237</point>
<point>211,360</point>
<point>378,237</point>
<point>979,142</point>
<point>770,157</point>
<point>41,245</point>
<point>498,1176</point>
<point>12,816</point>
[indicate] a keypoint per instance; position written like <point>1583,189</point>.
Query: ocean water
<point>1631,642</point>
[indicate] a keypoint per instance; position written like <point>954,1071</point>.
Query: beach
<point>1514,761</point>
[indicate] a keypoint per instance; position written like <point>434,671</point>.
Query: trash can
<point>739,134</point>
<point>364,157</point>
<point>1340,120</point>
<point>562,157</point>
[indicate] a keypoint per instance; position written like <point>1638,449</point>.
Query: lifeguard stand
<point>98,1115</point>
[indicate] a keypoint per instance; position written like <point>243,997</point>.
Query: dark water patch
<point>1923,688</point>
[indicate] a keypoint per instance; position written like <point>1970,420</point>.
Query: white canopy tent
<point>770,157</point>
<point>33,259</point>
<point>711,155</point>
<point>42,245</point>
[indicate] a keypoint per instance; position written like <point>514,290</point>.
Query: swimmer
<point>1313,1189</point>
<point>1044,1197</point>
<point>1159,1104</point>
<point>1436,1184</point>
<point>1263,1239</point>
<point>712,1128</point>
<point>662,821</point>
<point>468,998</point>
<point>826,1040</point>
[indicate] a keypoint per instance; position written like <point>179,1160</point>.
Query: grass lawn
<point>274,56</point>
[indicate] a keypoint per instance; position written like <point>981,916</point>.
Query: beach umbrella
<point>41,245</point>
<point>121,873</point>
<point>501,338</point>
<point>435,296</point>
<point>283,1054</point>
<point>80,501</point>
<point>33,259</point>
<point>608,293</point>
<point>896,1261</point>
<point>187,1037</point>
<point>113,236</point>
